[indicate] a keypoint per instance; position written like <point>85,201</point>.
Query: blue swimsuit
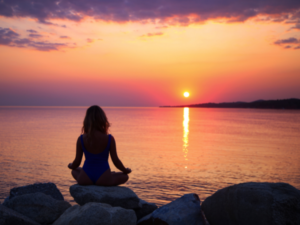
<point>95,164</point>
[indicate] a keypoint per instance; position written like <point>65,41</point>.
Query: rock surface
<point>183,211</point>
<point>38,206</point>
<point>114,196</point>
<point>146,208</point>
<point>96,214</point>
<point>46,188</point>
<point>254,203</point>
<point>11,217</point>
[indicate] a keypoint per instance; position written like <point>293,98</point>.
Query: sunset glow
<point>82,54</point>
<point>186,94</point>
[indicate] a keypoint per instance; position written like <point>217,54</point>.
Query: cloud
<point>32,31</point>
<point>10,38</point>
<point>47,22</point>
<point>288,43</point>
<point>89,40</point>
<point>46,46</point>
<point>7,36</point>
<point>64,37</point>
<point>152,34</point>
<point>291,40</point>
<point>165,11</point>
<point>35,35</point>
<point>297,26</point>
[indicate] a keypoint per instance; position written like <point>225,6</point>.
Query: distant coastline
<point>292,103</point>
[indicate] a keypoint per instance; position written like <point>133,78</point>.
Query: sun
<point>186,94</point>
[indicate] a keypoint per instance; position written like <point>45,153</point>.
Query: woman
<point>96,144</point>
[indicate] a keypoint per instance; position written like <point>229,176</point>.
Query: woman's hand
<point>127,171</point>
<point>70,166</point>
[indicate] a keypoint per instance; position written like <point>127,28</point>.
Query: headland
<point>292,103</point>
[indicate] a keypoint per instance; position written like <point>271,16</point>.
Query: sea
<point>171,151</point>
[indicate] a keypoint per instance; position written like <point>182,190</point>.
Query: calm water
<point>171,151</point>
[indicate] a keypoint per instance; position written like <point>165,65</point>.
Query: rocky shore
<point>240,204</point>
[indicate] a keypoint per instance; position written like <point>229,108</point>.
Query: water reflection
<point>185,138</point>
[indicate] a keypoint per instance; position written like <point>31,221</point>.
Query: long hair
<point>95,119</point>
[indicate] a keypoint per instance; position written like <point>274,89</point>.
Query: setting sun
<point>186,94</point>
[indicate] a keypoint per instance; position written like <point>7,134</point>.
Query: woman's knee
<point>120,178</point>
<point>74,174</point>
<point>125,177</point>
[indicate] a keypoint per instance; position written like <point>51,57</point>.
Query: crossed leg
<point>108,178</point>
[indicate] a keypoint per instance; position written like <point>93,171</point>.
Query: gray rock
<point>254,203</point>
<point>96,214</point>
<point>183,211</point>
<point>146,208</point>
<point>46,188</point>
<point>6,199</point>
<point>11,217</point>
<point>114,195</point>
<point>38,206</point>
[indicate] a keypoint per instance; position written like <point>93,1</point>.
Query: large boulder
<point>11,217</point>
<point>114,195</point>
<point>146,209</point>
<point>39,207</point>
<point>46,188</point>
<point>254,203</point>
<point>183,211</point>
<point>96,214</point>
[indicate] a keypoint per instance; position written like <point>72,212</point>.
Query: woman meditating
<point>96,144</point>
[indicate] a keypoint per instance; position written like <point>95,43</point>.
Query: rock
<point>6,199</point>
<point>113,195</point>
<point>146,208</point>
<point>185,210</point>
<point>254,203</point>
<point>11,217</point>
<point>38,206</point>
<point>148,220</point>
<point>96,214</point>
<point>46,188</point>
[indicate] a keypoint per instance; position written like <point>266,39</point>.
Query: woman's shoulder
<point>79,139</point>
<point>97,136</point>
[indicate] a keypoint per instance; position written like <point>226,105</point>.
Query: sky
<point>148,53</point>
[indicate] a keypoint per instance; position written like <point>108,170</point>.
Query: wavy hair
<point>95,120</point>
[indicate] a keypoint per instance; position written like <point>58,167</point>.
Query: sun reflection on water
<point>185,138</point>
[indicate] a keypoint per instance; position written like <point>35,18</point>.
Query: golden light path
<point>185,139</point>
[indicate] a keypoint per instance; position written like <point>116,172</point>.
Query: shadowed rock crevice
<point>184,210</point>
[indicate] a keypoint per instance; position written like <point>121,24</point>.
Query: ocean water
<point>171,151</point>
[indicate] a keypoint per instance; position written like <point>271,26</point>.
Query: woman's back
<point>96,142</point>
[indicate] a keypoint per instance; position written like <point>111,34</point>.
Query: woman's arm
<point>114,157</point>
<point>78,158</point>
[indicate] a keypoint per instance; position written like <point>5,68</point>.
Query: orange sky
<point>146,63</point>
